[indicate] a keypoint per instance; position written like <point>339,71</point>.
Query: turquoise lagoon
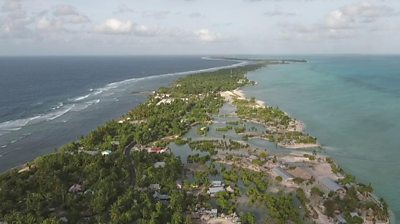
<point>352,105</point>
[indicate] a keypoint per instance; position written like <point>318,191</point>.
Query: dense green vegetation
<point>211,146</point>
<point>198,159</point>
<point>248,109</point>
<point>277,121</point>
<point>224,129</point>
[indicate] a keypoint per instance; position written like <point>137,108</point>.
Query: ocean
<point>352,105</point>
<point>46,102</point>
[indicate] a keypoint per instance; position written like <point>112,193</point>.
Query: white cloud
<point>71,14</point>
<point>65,10</point>
<point>49,25</point>
<point>345,22</point>
<point>78,19</point>
<point>206,35</point>
<point>157,14</point>
<point>195,15</point>
<point>142,30</point>
<point>14,24</point>
<point>279,13</point>
<point>115,26</point>
<point>351,15</point>
<point>123,9</point>
<point>11,5</point>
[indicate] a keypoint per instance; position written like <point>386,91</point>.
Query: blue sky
<point>95,27</point>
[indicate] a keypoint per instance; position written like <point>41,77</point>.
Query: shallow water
<point>352,105</point>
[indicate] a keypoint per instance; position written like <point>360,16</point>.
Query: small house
<point>253,157</point>
<point>154,187</point>
<point>217,183</point>
<point>64,219</point>
<point>354,214</point>
<point>76,188</point>
<point>157,150</point>
<point>106,153</point>
<point>282,173</point>
<point>331,185</point>
<point>159,165</point>
<point>179,184</point>
<point>230,189</point>
<point>161,197</point>
<point>213,190</point>
<point>116,143</point>
<point>299,172</point>
<point>340,219</point>
<point>213,212</point>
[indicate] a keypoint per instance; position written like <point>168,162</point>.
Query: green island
<point>197,151</point>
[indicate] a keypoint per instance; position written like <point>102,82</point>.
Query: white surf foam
<point>15,125</point>
<point>61,104</point>
<point>57,114</point>
<point>84,105</point>
<point>80,98</point>
<point>80,103</point>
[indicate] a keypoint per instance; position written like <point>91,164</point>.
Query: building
<point>253,157</point>
<point>301,173</point>
<point>64,219</point>
<point>282,173</point>
<point>213,190</point>
<point>76,188</point>
<point>154,187</point>
<point>157,150</point>
<point>230,189</point>
<point>159,165</point>
<point>340,219</point>
<point>213,212</point>
<point>331,185</point>
<point>354,214</point>
<point>179,184</point>
<point>106,153</point>
<point>161,197</point>
<point>217,183</point>
<point>90,152</point>
<point>115,143</point>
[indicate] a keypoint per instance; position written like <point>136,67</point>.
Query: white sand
<point>238,94</point>
<point>300,146</point>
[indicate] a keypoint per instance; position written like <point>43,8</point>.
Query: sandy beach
<point>238,94</point>
<point>299,146</point>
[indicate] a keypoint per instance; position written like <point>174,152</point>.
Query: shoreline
<point>113,133</point>
<point>300,148</point>
<point>297,126</point>
<point>82,99</point>
<point>320,167</point>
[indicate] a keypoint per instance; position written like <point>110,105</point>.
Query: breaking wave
<point>93,97</point>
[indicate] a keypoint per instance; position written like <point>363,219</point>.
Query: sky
<point>185,27</point>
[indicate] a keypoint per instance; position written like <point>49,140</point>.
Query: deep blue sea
<point>352,104</point>
<point>46,102</point>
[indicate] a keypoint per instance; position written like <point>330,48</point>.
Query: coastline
<point>166,106</point>
<point>296,125</point>
<point>7,152</point>
<point>300,126</point>
<point>323,166</point>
